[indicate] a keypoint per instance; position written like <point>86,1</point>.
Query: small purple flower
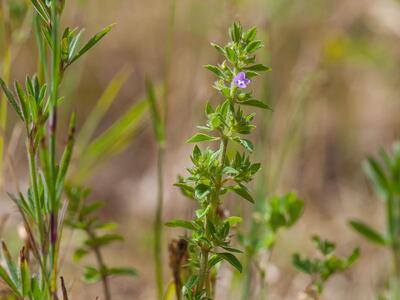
<point>241,81</point>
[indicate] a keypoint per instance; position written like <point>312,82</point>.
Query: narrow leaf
<point>255,103</point>
<point>229,257</point>
<point>368,232</point>
<point>93,41</point>
<point>11,98</point>
<point>181,223</point>
<point>201,137</point>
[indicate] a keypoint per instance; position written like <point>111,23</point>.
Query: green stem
<point>42,68</point>
<point>158,222</point>
<point>247,277</point>
<point>52,127</point>
<point>7,60</point>
<point>36,198</point>
<point>167,64</point>
<point>160,156</point>
<point>102,266</point>
<point>203,272</point>
<point>204,278</point>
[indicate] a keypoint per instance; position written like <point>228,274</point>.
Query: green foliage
<point>321,269</point>
<point>216,173</point>
<point>368,232</point>
<point>82,216</point>
<point>384,173</point>
<point>42,206</point>
<point>280,212</point>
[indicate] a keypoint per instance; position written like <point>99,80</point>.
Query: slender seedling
<point>82,217</point>
<point>321,269</point>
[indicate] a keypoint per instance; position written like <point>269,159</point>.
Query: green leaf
<point>233,220</point>
<point>107,226</point>
<point>219,48</point>
<point>368,232</point>
<point>235,32</point>
<point>190,283</point>
<point>229,257</point>
<point>258,68</point>
<point>186,189</point>
<point>79,254</point>
<point>326,247</point>
<point>24,273</point>
<point>66,157</point>
<point>253,46</point>
<point>214,259</point>
<point>376,173</point>
<point>242,191</point>
<point>181,224</point>
<point>283,211</point>
<point>255,103</point>
<point>250,34</point>
<point>208,109</point>
<point>42,11</point>
<point>196,153</point>
<point>11,98</point>
<point>12,269</point>
<point>201,137</point>
<point>230,54</point>
<point>230,171</point>
<point>23,103</point>
<point>9,282</point>
<point>122,271</point>
<point>103,240</point>
<point>201,191</point>
<point>306,265</point>
<point>230,249</point>
<point>90,208</point>
<point>248,145</point>
<point>216,70</point>
<point>93,41</point>
<point>91,275</point>
<point>158,124</point>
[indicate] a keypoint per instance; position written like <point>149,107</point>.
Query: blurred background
<point>334,89</point>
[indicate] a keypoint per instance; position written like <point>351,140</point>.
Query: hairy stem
<point>204,278</point>
<point>203,272</point>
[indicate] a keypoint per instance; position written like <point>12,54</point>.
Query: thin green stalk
<point>34,182</point>
<point>158,222</point>
<point>203,272</point>
<point>168,59</point>
<point>52,128</point>
<point>158,226</point>
<point>210,217</point>
<point>6,77</point>
<point>159,131</point>
<point>102,265</point>
<point>3,109</point>
<point>42,68</point>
